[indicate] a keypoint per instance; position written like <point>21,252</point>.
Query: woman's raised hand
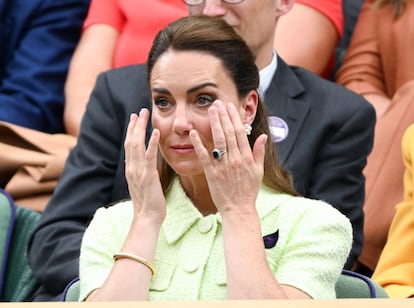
<point>235,180</point>
<point>141,169</point>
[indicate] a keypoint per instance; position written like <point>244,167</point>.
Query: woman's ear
<point>284,6</point>
<point>250,107</point>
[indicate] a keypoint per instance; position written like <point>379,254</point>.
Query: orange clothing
<point>395,270</point>
<point>380,55</point>
<point>137,22</point>
<point>380,60</point>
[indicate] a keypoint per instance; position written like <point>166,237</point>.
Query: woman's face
<point>184,84</point>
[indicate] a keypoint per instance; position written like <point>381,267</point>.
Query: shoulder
<point>323,93</point>
<point>331,9</point>
<point>306,208</point>
<point>72,9</point>
<point>127,86</point>
<point>18,14</point>
<point>111,223</point>
<point>311,228</point>
<point>315,83</point>
<point>299,207</point>
<point>130,71</point>
<point>116,214</point>
<point>118,209</point>
<point>289,211</point>
<point>318,218</point>
<point>63,4</point>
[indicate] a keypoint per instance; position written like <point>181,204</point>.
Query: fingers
<point>228,131</point>
<point>152,150</point>
<point>135,137</point>
<point>240,141</point>
<point>259,149</point>
<point>136,152</point>
<point>203,154</point>
<point>229,126</point>
<point>217,131</point>
<point>129,136</point>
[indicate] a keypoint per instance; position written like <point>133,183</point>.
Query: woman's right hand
<point>149,212</point>
<point>141,170</point>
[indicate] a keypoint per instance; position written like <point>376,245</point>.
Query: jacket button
<point>191,267</point>
<point>205,225</point>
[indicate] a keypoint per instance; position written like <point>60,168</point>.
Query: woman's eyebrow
<point>200,86</point>
<point>160,90</point>
<point>189,91</point>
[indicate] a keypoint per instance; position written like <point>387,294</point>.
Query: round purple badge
<point>278,129</point>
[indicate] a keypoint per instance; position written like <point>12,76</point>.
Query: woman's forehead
<point>186,67</point>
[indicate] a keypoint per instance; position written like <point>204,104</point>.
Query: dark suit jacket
<point>330,136</point>
<point>37,39</point>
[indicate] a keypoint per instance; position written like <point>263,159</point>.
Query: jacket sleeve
<point>86,184</point>
<point>36,62</point>
<point>395,269</point>
<point>361,70</point>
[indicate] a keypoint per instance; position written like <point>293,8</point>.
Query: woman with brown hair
<point>212,214</point>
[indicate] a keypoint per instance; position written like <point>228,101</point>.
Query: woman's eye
<point>204,100</point>
<point>162,103</point>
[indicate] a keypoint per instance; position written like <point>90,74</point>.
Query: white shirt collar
<point>266,75</point>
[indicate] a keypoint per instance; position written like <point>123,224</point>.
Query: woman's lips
<point>183,149</point>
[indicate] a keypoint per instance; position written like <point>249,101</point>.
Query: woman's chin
<point>187,168</point>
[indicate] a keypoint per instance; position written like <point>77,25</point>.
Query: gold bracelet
<point>135,258</point>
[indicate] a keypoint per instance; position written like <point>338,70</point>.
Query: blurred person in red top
<point>322,23</point>
<point>115,33</point>
<point>120,32</point>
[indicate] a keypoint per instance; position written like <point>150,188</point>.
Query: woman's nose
<point>182,121</point>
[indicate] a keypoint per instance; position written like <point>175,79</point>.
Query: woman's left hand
<point>234,181</point>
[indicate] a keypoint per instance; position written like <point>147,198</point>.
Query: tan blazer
<point>31,163</point>
<point>380,60</point>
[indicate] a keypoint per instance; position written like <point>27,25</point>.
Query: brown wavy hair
<point>214,36</point>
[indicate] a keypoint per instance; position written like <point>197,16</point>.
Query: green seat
<point>7,217</point>
<point>349,285</point>
<point>355,285</point>
<point>71,292</point>
<point>16,225</point>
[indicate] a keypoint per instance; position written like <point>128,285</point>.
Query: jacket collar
<point>285,99</point>
<point>182,214</point>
